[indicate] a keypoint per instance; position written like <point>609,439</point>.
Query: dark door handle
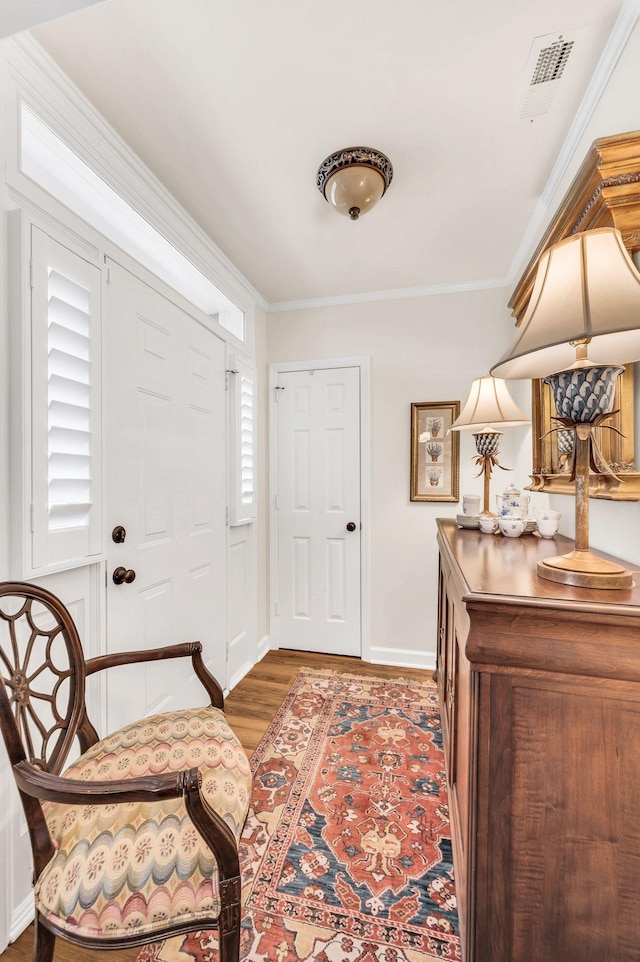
<point>123,576</point>
<point>351,526</point>
<point>119,534</point>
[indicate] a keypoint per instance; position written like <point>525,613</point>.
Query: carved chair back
<point>42,667</point>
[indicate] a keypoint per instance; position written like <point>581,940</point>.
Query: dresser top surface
<point>505,568</point>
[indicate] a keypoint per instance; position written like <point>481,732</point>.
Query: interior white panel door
<point>165,453</point>
<point>318,445</point>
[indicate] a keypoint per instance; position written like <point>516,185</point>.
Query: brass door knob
<point>123,576</point>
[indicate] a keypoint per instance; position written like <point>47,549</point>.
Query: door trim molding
<point>364,364</point>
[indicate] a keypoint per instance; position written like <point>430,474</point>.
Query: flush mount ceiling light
<point>354,179</point>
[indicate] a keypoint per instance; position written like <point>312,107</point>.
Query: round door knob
<point>351,526</point>
<point>119,534</point>
<point>123,576</point>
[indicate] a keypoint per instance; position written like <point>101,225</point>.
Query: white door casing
<point>165,438</point>
<point>317,602</point>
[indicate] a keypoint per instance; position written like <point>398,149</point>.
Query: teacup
<point>487,524</point>
<point>547,527</point>
<point>546,514</point>
<point>471,504</point>
<point>511,527</point>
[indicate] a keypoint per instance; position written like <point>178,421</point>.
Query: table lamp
<point>488,407</point>
<point>582,320</point>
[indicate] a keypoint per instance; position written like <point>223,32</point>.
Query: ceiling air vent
<point>547,62</point>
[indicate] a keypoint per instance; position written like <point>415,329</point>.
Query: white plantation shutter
<point>242,417</point>
<point>66,441</point>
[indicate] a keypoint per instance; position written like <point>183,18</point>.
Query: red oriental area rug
<point>346,854</point>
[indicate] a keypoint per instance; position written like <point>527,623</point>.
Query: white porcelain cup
<point>487,524</point>
<point>547,527</point>
<point>547,514</point>
<point>471,504</point>
<point>511,527</point>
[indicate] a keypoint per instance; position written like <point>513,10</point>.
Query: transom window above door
<point>52,164</point>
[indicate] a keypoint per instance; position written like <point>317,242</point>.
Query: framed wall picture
<point>435,451</point>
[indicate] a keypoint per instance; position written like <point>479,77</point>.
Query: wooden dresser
<point>540,692</point>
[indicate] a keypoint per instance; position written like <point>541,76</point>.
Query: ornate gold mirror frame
<point>604,193</point>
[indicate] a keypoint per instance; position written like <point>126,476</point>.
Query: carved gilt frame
<point>604,193</point>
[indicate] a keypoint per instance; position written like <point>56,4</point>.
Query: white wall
<point>614,526</point>
<point>421,349</point>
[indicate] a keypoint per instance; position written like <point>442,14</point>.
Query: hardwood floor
<point>249,710</point>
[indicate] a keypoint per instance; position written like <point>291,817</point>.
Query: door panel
<point>241,607</point>
<point>165,441</point>
<point>318,441</point>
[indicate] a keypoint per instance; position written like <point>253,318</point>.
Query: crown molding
<point>459,287</point>
<point>616,42</point>
<point>72,115</point>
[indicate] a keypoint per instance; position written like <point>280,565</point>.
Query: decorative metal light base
<point>583,569</point>
<point>487,444</point>
<point>584,399</point>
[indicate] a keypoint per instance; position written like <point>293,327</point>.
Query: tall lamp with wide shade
<point>488,408</point>
<point>582,321</point>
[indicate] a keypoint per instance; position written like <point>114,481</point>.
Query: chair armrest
<point>151,788</point>
<point>77,791</point>
<point>188,648</point>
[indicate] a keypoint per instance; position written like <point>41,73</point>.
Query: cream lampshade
<point>583,318</point>
<point>488,407</point>
<point>586,286</point>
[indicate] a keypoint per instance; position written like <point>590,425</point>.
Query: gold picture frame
<point>435,451</point>
<point>604,193</point>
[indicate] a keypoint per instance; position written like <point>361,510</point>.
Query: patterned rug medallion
<point>346,854</point>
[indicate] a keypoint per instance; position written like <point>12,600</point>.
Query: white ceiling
<point>17,15</point>
<point>233,105</point>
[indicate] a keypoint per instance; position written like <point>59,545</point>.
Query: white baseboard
<point>264,645</point>
<point>237,677</point>
<point>21,917</point>
<point>403,658</point>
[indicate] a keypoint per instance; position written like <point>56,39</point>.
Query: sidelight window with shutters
<point>65,405</point>
<point>242,453</point>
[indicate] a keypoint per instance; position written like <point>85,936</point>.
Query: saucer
<point>467,520</point>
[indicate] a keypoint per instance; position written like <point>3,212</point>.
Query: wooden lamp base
<point>583,569</point>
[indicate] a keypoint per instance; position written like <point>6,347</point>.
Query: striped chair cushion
<point>129,869</point>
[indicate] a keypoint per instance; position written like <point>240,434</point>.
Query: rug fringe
<point>429,682</point>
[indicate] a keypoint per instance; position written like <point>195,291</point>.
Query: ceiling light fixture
<point>354,179</point>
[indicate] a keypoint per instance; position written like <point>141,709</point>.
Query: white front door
<point>318,501</point>
<point>166,486</point>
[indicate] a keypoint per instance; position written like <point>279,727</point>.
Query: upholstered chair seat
<point>128,867</point>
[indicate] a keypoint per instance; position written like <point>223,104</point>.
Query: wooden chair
<point>138,838</point>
